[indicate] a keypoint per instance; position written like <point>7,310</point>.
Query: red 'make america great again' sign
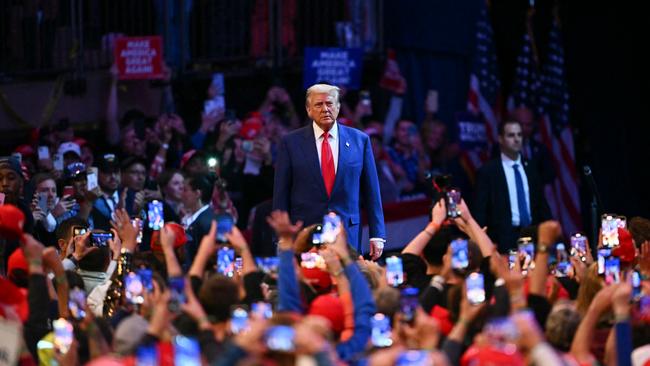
<point>139,57</point>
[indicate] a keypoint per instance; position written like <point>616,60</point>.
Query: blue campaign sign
<point>472,133</point>
<point>337,66</point>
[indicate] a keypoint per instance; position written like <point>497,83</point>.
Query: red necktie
<point>327,164</point>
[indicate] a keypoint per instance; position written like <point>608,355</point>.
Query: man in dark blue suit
<point>509,194</point>
<point>327,167</point>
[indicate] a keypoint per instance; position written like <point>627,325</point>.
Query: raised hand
<point>438,212</point>
<point>208,244</point>
<point>331,260</point>
<point>603,299</point>
<point>161,316</point>
<point>579,268</point>
<point>81,247</point>
<point>167,237</point>
<point>237,240</point>
<point>51,258</point>
<point>210,120</point>
<point>463,221</point>
<point>194,309</point>
<point>126,231</point>
<point>64,205</point>
<point>340,246</point>
<point>469,312</point>
<point>281,223</point>
<point>424,333</point>
<point>622,297</point>
<point>33,251</point>
<point>115,244</point>
<point>513,278</point>
<point>38,214</point>
<point>548,232</point>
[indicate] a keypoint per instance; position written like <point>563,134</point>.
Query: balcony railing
<point>41,39</point>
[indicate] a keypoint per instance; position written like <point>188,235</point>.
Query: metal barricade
<point>50,37</point>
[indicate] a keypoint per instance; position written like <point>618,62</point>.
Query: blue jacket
<point>299,188</point>
<point>623,343</point>
<point>101,213</point>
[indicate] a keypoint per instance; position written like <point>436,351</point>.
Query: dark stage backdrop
<point>604,48</point>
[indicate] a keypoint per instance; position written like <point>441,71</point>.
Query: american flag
<point>484,97</point>
<point>527,82</point>
<point>557,135</point>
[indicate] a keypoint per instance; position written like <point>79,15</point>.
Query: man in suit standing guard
<point>509,193</point>
<point>325,167</point>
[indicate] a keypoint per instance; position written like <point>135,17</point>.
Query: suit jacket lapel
<point>503,182</point>
<point>527,167</point>
<point>344,156</point>
<point>102,206</point>
<point>532,187</point>
<point>308,147</point>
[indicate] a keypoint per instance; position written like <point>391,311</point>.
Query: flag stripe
<point>484,92</point>
<point>478,105</point>
<point>566,194</point>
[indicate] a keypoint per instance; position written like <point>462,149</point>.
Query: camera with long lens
<point>441,182</point>
<point>443,189</point>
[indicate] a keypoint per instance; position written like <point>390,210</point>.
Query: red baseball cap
<point>180,238</point>
<point>489,355</point>
<point>12,220</point>
<point>80,141</point>
<point>17,261</point>
<point>319,279</point>
<point>14,297</point>
<point>251,126</point>
<point>443,317</point>
<point>625,249</point>
<point>24,150</point>
<point>329,307</point>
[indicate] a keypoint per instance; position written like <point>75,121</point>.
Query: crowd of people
<point>152,156</point>
<point>158,245</point>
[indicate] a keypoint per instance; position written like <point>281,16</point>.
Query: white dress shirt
<point>50,223</point>
<point>333,139</point>
<point>512,186</point>
<point>189,219</point>
<point>112,200</point>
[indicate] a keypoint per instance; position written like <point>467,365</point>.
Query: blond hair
<point>589,287</point>
<point>323,89</point>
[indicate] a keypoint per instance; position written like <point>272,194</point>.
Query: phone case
<point>58,162</point>
<point>43,153</point>
<point>91,181</point>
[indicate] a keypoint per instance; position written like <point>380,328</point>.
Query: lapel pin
<point>347,144</point>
